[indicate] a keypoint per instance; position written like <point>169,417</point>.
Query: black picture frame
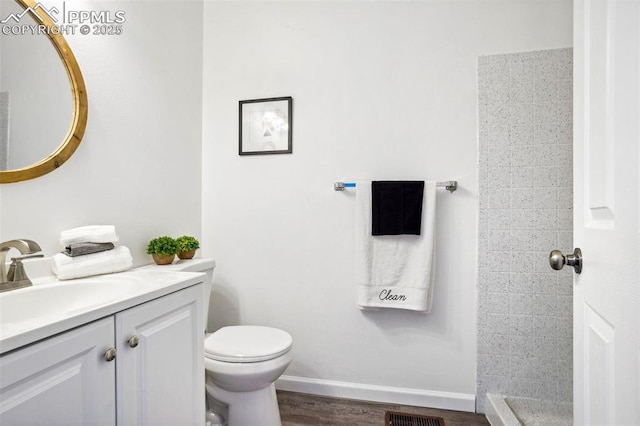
<point>266,126</point>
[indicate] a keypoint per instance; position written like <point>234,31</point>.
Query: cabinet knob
<point>133,341</point>
<point>110,354</point>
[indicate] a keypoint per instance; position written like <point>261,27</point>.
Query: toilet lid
<point>247,343</point>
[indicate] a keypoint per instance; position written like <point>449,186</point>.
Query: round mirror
<point>43,108</point>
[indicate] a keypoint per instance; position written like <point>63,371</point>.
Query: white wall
<point>382,90</point>
<point>138,166</point>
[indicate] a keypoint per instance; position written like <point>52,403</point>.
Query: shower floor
<point>511,411</point>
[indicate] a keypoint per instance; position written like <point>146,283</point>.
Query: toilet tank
<point>198,264</point>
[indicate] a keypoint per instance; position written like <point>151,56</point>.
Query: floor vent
<point>393,418</point>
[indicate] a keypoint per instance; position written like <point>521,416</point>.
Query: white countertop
<point>51,307</point>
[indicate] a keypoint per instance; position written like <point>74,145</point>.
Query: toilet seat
<point>247,343</point>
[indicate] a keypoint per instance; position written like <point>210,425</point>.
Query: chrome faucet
<point>16,277</point>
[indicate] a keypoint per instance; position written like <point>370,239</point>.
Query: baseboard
<point>375,393</point>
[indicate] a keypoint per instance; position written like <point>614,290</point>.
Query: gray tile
<point>565,348</point>
<point>498,324</point>
<point>521,114</point>
<point>564,133</point>
<point>521,135</point>
<point>544,69</point>
<point>522,155</point>
<point>564,157</point>
<point>546,134</point>
<point>498,156</point>
<point>521,92</point>
<point>498,176</point>
<point>522,219</point>
<point>499,198</point>
<point>499,218</point>
<point>565,306</point>
<point>545,219</point>
<point>544,326</point>
<point>521,282</point>
<point>492,364</point>
<point>565,90</point>
<point>565,111</point>
<point>545,304</point>
<point>496,261</point>
<point>565,282</point>
<point>521,325</point>
<point>522,198</point>
<point>541,261</point>
<point>499,240</point>
<point>565,219</point>
<point>498,114</point>
<point>521,304</point>
<point>545,282</point>
<point>545,113</point>
<point>521,345</point>
<point>544,347</point>
<point>521,261</point>
<point>498,303</point>
<point>522,177</point>
<point>521,70</point>
<point>498,135</point>
<point>565,327</point>
<point>545,155</point>
<point>520,240</point>
<point>544,240</point>
<point>545,91</point>
<point>565,241</point>
<point>545,198</point>
<point>496,282</point>
<point>565,197</point>
<point>545,177</point>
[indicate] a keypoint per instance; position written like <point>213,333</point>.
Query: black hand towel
<point>396,207</point>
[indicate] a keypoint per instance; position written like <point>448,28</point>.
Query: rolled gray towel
<point>81,249</point>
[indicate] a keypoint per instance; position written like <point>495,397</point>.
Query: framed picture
<point>266,126</point>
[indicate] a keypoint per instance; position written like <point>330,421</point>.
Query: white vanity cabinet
<point>156,377</point>
<point>63,380</point>
<point>160,362</point>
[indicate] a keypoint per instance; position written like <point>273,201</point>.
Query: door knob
<point>133,342</point>
<point>557,260</point>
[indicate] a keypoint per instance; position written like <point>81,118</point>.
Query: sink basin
<point>62,298</point>
<point>32,313</point>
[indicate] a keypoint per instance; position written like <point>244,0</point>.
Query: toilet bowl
<point>241,362</point>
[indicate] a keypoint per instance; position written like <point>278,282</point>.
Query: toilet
<point>241,362</point>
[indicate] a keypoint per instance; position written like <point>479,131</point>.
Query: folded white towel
<point>395,271</point>
<point>67,268</point>
<point>89,234</point>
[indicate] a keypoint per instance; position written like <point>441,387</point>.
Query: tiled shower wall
<point>524,307</point>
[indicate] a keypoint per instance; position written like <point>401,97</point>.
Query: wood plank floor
<point>297,409</point>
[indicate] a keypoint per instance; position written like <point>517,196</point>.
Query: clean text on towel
<point>387,295</point>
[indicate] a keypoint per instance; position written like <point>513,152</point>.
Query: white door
<point>160,374</point>
<point>63,380</point>
<point>606,215</point>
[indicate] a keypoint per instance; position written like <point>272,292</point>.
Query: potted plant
<point>187,246</point>
<point>162,249</point>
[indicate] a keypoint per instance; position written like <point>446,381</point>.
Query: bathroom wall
<point>138,166</point>
<point>382,90</point>
<point>524,307</point>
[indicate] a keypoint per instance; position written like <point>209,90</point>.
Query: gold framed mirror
<point>79,99</point>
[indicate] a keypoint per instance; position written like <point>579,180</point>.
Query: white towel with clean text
<point>67,268</point>
<point>395,271</point>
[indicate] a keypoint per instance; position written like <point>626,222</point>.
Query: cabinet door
<point>63,380</point>
<point>161,380</point>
